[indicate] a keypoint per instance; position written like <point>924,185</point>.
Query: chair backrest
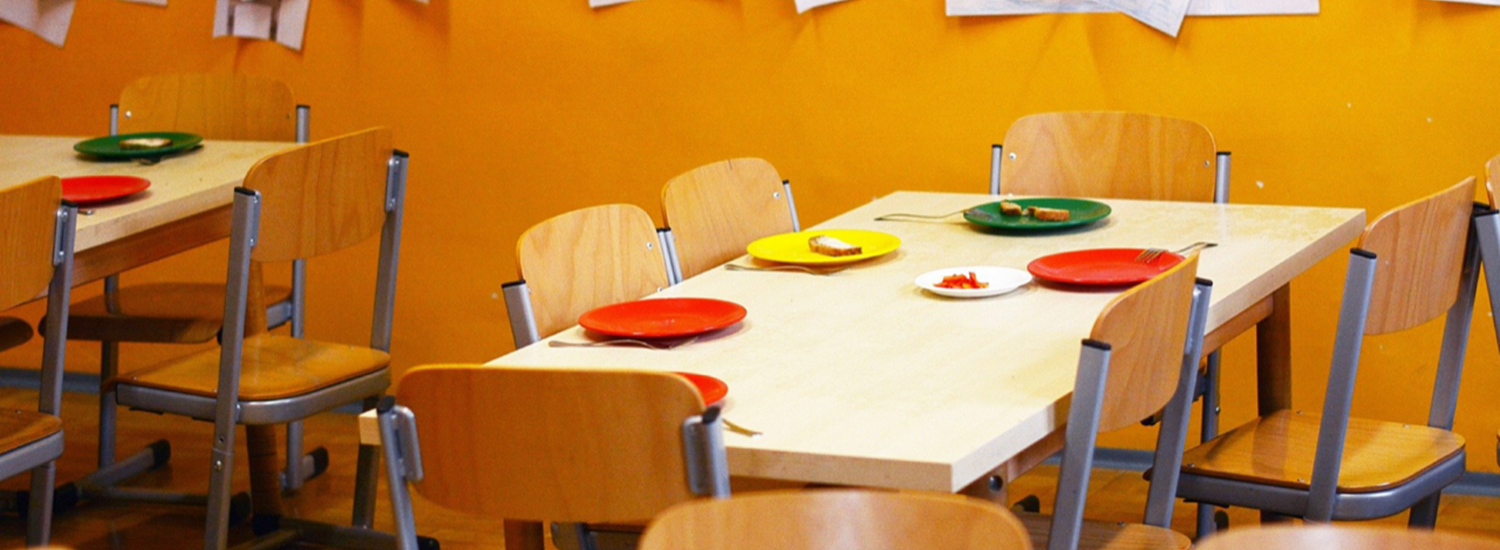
<point>820,519</point>
<point>1420,249</point>
<point>1109,154</point>
<point>568,445</point>
<point>589,258</point>
<point>716,210</point>
<point>1344,537</point>
<point>1146,328</point>
<point>215,106</point>
<point>323,196</point>
<point>28,222</point>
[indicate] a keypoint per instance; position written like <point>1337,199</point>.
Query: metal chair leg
<point>1424,513</point>
<point>39,513</point>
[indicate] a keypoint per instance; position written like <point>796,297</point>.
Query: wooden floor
<point>1113,495</point>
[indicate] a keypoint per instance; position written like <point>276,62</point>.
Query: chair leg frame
<point>1172,437</point>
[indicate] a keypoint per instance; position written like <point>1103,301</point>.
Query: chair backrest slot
<point>716,210</point>
<point>568,445</point>
<point>1420,246</point>
<point>589,258</point>
<point>28,239</point>
<point>1109,154</point>
<point>322,197</point>
<point>213,105</point>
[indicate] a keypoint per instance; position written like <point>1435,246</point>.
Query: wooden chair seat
<point>1278,450</point>
<point>19,428</point>
<point>275,367</point>
<point>1108,535</point>
<point>13,332</point>
<point>159,313</point>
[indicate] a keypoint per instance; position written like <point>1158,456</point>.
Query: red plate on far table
<point>663,317</point>
<point>95,189</point>
<point>712,389</point>
<point>1100,267</point>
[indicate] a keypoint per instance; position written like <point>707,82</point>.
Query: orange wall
<point>515,111</point>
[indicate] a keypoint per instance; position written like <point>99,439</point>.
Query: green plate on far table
<point>1083,212</point>
<point>109,146</point>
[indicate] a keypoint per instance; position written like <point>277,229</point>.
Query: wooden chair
<point>1141,357</point>
<point>36,250</point>
<point>578,446</point>
<point>1410,266</point>
<point>216,106</point>
<point>821,519</point>
<point>716,210</point>
<point>1128,156</point>
<point>575,262</point>
<point>307,201</point>
<point>1343,537</point>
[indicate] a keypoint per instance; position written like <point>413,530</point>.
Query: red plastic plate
<point>712,389</point>
<point>95,189</point>
<point>1100,267</point>
<point>663,317</point>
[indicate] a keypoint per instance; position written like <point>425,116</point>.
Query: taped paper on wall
<point>48,19</point>
<point>1480,2</point>
<point>804,5</point>
<point>152,2</point>
<point>1195,8</point>
<point>602,3</point>
<point>1163,15</point>
<point>284,21</point>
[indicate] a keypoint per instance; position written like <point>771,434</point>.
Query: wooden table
<point>862,379</point>
<point>188,204</point>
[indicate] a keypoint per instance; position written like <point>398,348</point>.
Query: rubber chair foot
<point>161,452</point>
<point>1030,504</point>
<point>427,543</point>
<point>239,508</point>
<point>320,461</point>
<point>1221,520</point>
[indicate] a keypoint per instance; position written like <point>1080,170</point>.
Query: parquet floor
<point>1113,495</point>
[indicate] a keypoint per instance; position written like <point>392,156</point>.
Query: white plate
<point>1001,280</point>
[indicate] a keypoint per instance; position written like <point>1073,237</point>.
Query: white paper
<point>252,21</point>
<point>804,5</point>
<point>1163,15</point>
<point>1253,7</point>
<point>1480,2</point>
<point>48,19</point>
<point>152,2</point>
<point>1195,8</point>
<point>602,3</point>
<point>290,17</point>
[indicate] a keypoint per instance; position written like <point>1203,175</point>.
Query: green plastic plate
<point>1083,211</point>
<point>109,146</point>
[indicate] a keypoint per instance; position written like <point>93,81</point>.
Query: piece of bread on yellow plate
<point>830,246</point>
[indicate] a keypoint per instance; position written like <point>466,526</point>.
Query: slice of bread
<point>1010,209</point>
<point>1051,214</point>
<point>829,246</point>
<point>144,143</point>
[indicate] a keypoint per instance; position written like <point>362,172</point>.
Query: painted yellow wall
<point>517,110</point>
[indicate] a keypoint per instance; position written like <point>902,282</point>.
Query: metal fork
<point>736,428</point>
<point>1151,254</point>
<point>898,216</point>
<point>623,342</point>
<point>796,268</point>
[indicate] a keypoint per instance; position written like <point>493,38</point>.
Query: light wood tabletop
<point>187,205</point>
<point>862,379</point>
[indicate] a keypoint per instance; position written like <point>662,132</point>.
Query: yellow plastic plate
<point>792,248</point>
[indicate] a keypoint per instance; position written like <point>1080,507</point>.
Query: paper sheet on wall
<point>602,3</point>
<point>1163,15</point>
<point>804,5</point>
<point>1480,2</point>
<point>284,21</point>
<point>48,19</point>
<point>152,2</point>
<point>1195,8</point>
